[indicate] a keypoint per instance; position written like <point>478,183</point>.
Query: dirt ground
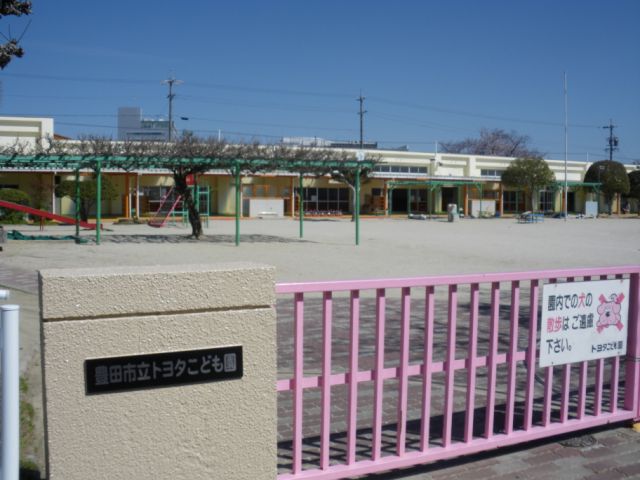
<point>388,248</point>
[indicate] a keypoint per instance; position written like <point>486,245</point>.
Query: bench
<point>530,217</point>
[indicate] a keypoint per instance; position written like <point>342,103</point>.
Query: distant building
<point>132,126</point>
<point>306,141</point>
<point>324,143</point>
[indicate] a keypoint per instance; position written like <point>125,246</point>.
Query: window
<point>486,172</point>
<point>400,169</point>
<point>546,201</point>
<point>510,202</point>
<point>326,200</point>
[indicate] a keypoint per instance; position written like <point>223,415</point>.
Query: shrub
<point>15,196</point>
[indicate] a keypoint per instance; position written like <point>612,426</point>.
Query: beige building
<point>403,182</point>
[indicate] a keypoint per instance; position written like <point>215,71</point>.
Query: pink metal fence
<point>462,378</point>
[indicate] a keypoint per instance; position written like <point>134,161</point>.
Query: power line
<point>298,93</point>
<point>412,121</point>
<point>192,84</point>
<point>472,114</point>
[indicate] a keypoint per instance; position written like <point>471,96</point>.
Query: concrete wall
<point>224,429</point>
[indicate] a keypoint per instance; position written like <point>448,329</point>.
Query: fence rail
<point>389,373</point>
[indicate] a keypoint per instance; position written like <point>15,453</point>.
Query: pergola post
<point>301,206</point>
<point>466,201</point>
<point>98,201</point>
<point>357,212</point>
<point>237,183</point>
<point>77,205</point>
<point>127,196</point>
<point>137,195</point>
<point>292,196</point>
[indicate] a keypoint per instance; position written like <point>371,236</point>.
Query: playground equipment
<point>167,206</point>
<point>44,214</point>
<point>172,205</point>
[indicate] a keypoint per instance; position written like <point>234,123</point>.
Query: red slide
<point>45,214</point>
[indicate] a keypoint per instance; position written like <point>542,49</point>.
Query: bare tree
<point>495,142</point>
<point>190,155</point>
<point>12,46</point>
<point>348,176</point>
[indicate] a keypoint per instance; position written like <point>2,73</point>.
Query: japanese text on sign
<point>583,321</point>
<point>163,369</point>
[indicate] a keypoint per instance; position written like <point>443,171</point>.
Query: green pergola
<point>431,185</point>
<point>97,163</point>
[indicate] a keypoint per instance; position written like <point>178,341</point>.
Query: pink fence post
<point>298,373</point>
<point>583,380</point>
<point>472,361</point>
<point>548,388</point>
<point>492,360</point>
<point>511,356</point>
<point>427,367</point>
<point>599,378</point>
<point>632,365</point>
<point>352,408</point>
<point>378,395</point>
<point>403,384</point>
<point>450,367</point>
<point>615,375</point>
<point>325,432</point>
<point>531,354</point>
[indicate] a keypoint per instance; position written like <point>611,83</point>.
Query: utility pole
<point>612,140</point>
<point>171,82</point>
<point>566,151</point>
<point>361,113</point>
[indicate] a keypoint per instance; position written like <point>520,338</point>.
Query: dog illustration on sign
<point>609,311</point>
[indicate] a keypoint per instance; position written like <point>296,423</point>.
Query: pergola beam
<point>98,163</point>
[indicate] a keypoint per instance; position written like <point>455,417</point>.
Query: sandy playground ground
<point>388,248</point>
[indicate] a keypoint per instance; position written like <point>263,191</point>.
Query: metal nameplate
<point>136,372</point>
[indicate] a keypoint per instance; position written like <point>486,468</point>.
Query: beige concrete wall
<point>224,429</point>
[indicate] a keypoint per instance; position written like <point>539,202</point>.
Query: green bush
<point>15,196</point>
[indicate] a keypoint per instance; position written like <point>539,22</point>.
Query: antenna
<point>171,82</point>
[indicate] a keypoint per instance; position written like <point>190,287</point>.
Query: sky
<point>430,71</point>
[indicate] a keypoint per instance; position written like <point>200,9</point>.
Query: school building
<point>403,182</point>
